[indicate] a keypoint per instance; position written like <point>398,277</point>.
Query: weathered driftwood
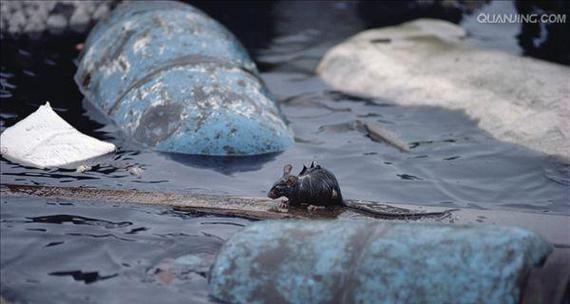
<point>245,207</point>
<point>553,227</point>
<point>380,134</point>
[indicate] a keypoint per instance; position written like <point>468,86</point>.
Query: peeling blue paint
<point>374,262</point>
<point>176,80</point>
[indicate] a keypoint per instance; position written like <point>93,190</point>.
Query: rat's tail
<point>391,212</point>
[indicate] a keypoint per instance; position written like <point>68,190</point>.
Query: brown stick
<point>251,208</point>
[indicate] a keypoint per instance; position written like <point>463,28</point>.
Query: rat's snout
<point>271,194</point>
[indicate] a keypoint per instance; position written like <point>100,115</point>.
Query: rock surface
<point>34,18</point>
<point>175,80</point>
<point>374,262</point>
<point>425,62</point>
<point>45,140</point>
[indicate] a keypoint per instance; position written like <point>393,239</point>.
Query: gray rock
<point>101,11</point>
<point>16,23</point>
<point>34,28</point>
<point>33,18</point>
<point>426,62</point>
<point>56,23</point>
<point>79,21</point>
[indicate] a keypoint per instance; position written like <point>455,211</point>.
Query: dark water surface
<point>93,252</point>
<point>67,252</point>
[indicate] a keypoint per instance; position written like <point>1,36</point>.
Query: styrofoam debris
<point>45,140</point>
<point>83,168</point>
<point>136,171</point>
<point>516,99</point>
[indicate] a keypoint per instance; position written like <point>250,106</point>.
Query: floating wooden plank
<point>554,228</point>
<point>246,207</point>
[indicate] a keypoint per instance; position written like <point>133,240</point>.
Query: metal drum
<point>374,262</point>
<point>175,80</point>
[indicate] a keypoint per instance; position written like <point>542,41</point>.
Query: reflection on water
<point>87,277</point>
<point>77,220</point>
<point>226,165</point>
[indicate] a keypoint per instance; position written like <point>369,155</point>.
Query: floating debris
<point>375,262</point>
<point>378,133</point>
<point>44,140</point>
<point>83,168</point>
<point>175,80</point>
<point>136,171</point>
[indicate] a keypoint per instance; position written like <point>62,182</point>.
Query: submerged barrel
<point>174,79</point>
<point>374,262</point>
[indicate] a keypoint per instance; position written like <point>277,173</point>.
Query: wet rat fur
<point>314,186</point>
<point>317,187</point>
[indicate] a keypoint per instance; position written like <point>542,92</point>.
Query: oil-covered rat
<point>317,187</point>
<point>314,186</point>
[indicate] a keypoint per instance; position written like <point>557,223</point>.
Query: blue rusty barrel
<point>374,262</point>
<point>175,80</point>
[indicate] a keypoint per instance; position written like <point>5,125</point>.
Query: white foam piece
<point>45,140</point>
<point>428,62</point>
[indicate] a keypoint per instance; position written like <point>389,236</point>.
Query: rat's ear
<point>304,170</point>
<point>292,180</point>
<point>287,169</point>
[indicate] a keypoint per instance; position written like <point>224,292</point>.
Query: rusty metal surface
<point>375,262</point>
<point>176,80</point>
<point>551,282</point>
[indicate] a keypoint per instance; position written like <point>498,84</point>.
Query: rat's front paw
<point>284,204</point>
<point>312,208</point>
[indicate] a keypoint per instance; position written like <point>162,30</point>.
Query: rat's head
<point>284,185</point>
